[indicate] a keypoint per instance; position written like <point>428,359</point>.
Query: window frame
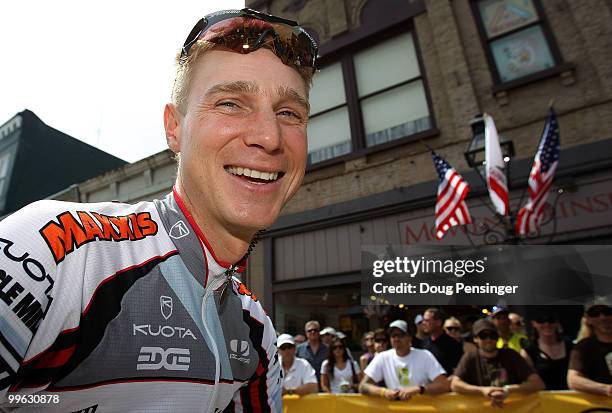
<point>542,22</point>
<point>353,101</point>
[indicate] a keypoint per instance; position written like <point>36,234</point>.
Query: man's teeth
<point>266,176</point>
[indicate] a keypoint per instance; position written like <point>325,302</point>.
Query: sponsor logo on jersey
<point>243,290</point>
<point>165,331</point>
<point>23,303</point>
<point>179,230</point>
<point>165,304</point>
<point>157,358</point>
<point>240,351</point>
<point>69,232</point>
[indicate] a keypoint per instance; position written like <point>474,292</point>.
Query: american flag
<point>450,205</point>
<point>541,177</point>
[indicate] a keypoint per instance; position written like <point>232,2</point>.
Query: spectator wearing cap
<point>406,371</point>
<point>590,366</point>
<point>491,372</point>
<point>548,351</point>
<point>420,334</point>
<point>313,350</point>
<point>327,334</point>
<point>298,375</point>
<point>507,337</point>
<point>445,349</point>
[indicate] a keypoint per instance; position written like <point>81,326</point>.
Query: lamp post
<point>475,158</point>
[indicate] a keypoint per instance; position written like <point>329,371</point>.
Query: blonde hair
<point>585,331</point>
<point>184,70</point>
<point>452,320</point>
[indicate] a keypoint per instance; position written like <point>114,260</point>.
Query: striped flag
<point>495,168</point>
<point>450,205</point>
<point>541,177</point>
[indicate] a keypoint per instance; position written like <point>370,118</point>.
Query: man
<point>299,339</point>
<point>298,375</point>
<point>313,350</point>
<point>406,371</point>
<point>116,307</point>
<point>491,372</point>
<point>327,334</point>
<point>420,334</point>
<point>507,337</point>
<point>517,324</point>
<point>590,366</point>
<point>445,349</point>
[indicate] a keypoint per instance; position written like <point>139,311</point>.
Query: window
<point>516,37</point>
<point>367,98</point>
<point>4,166</point>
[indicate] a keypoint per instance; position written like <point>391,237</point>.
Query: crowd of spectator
<point>493,358</point>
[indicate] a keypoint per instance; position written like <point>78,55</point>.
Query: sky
<point>100,71</point>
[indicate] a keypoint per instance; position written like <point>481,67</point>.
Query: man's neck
<point>488,354</point>
<point>287,362</point>
<point>226,246</point>
<point>435,334</point>
<point>603,337</point>
<point>403,352</point>
<point>314,345</point>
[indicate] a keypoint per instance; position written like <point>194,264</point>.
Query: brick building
<point>399,73</point>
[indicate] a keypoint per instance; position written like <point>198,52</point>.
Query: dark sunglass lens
<point>312,330</point>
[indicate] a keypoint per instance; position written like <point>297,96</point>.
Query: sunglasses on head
<point>247,30</point>
<point>599,310</point>
<point>488,335</point>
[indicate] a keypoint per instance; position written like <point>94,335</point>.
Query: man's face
<point>287,352</point>
<point>600,318</point>
<point>326,339</point>
<point>430,324</point>
<point>312,332</point>
<point>487,340</point>
<point>400,341</point>
<point>245,114</point>
<point>502,322</point>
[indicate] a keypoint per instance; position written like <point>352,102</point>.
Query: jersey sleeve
<point>263,392</point>
<point>27,279</point>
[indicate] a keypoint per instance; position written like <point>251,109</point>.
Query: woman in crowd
<point>339,374</point>
<point>549,352</point>
<point>367,343</point>
<point>381,340</point>
<point>452,326</point>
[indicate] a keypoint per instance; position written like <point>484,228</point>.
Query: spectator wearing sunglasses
<point>339,373</point>
<point>406,371</point>
<point>313,350</point>
<point>507,337</point>
<point>452,326</point>
<point>590,366</point>
<point>445,349</point>
<point>298,375</point>
<point>491,372</point>
<point>517,323</point>
<point>548,352</point>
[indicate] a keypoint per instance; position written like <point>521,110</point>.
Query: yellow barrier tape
<point>543,402</point>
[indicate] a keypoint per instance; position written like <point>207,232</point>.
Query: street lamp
<point>475,152</point>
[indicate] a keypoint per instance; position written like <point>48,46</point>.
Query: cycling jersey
<point>115,307</point>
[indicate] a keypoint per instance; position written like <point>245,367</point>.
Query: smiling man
<point>116,307</point>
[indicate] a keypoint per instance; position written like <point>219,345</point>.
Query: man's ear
<point>172,125</point>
